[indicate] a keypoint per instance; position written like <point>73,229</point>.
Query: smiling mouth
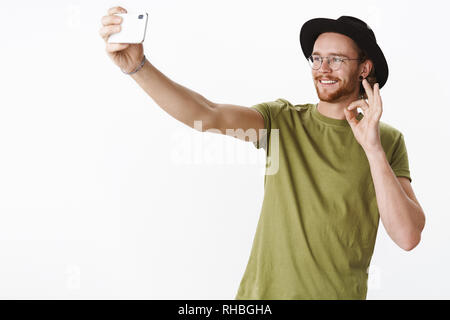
<point>327,83</point>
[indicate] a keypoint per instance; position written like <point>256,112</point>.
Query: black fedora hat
<point>353,28</point>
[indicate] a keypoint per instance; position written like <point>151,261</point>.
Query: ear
<point>366,68</point>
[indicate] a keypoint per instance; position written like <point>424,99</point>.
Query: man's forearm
<point>180,102</point>
<point>401,216</point>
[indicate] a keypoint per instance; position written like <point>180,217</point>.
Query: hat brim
<point>313,28</point>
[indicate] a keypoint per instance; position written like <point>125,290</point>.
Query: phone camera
<point>141,16</point>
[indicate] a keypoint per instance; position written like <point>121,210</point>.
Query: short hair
<point>371,78</point>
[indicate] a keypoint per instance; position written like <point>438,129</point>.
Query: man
<point>339,170</point>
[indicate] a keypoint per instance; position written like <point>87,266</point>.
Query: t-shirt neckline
<point>337,122</point>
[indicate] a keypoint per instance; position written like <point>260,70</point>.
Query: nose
<point>325,66</point>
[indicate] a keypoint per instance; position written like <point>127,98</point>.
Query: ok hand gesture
<point>366,130</point>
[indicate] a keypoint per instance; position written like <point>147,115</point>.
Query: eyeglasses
<point>334,62</point>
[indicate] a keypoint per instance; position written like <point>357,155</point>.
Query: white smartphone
<point>132,30</point>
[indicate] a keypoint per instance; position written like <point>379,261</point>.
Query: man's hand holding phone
<point>127,56</point>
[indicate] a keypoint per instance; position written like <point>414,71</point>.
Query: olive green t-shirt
<point>319,219</point>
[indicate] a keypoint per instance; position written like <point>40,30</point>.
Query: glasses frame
<point>328,60</point>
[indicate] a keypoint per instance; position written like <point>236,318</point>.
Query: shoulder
<point>286,105</point>
<point>281,110</point>
<point>281,103</point>
<point>389,131</point>
<point>283,106</point>
<point>390,136</point>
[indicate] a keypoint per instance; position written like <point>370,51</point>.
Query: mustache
<point>327,78</point>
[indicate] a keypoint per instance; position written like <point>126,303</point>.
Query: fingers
<point>368,89</point>
<point>106,31</point>
<point>116,10</point>
<point>359,103</point>
<point>111,22</point>
<point>376,89</point>
<point>378,101</point>
<point>351,118</point>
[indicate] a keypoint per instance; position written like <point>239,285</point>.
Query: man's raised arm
<point>178,101</point>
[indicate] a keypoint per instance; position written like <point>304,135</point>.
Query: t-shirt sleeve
<point>263,109</point>
<point>399,162</point>
<point>269,111</point>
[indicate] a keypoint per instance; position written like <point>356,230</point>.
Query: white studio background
<point>93,201</point>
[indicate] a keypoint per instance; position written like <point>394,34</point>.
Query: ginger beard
<point>333,93</point>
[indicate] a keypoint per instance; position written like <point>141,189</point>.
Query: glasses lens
<point>315,62</point>
<point>335,63</point>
